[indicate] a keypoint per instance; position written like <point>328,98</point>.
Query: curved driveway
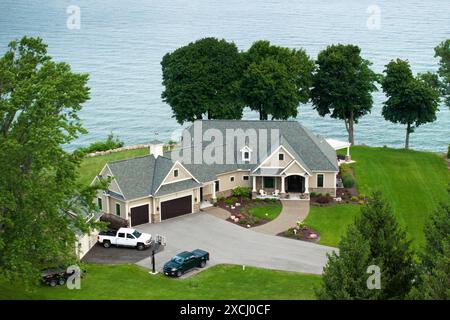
<point>229,243</point>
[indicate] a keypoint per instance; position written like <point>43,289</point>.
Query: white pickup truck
<point>125,237</point>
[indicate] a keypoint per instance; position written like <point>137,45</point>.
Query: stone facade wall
<point>331,191</point>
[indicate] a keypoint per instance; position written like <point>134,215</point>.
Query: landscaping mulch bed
<point>303,233</point>
<point>240,212</point>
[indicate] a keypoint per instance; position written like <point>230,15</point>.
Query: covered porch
<point>281,185</point>
<point>339,145</point>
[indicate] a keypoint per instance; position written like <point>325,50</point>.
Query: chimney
<point>156,148</point>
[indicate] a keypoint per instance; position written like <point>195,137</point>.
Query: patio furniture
<point>275,193</point>
<point>262,193</point>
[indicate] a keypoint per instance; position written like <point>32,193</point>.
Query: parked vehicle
<point>125,237</point>
<point>185,261</point>
<point>55,276</point>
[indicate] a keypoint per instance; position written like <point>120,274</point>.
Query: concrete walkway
<point>293,211</point>
<point>217,212</point>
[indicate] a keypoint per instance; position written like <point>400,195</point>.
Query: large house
<point>275,158</point>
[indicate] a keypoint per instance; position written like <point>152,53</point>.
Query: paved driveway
<point>293,211</point>
<point>228,243</point>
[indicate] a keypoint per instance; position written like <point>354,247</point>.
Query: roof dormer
<point>246,154</point>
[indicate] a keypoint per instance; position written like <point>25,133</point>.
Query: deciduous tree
<point>443,52</point>
<point>202,78</point>
<point>276,80</point>
<point>343,85</point>
<point>412,101</point>
<point>39,101</point>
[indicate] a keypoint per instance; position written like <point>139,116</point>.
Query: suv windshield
<point>177,259</point>
<point>137,234</point>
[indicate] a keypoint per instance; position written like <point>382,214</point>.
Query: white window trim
<point>246,176</point>
<point>281,153</point>
<point>120,209</point>
<point>178,173</point>
<point>243,151</point>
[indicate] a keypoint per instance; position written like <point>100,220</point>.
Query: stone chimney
<point>156,148</point>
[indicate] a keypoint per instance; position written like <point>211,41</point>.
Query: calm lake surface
<point>121,43</point>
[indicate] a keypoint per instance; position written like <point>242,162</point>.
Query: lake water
<point>121,43</point>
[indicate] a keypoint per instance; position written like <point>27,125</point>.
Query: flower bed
<point>301,232</point>
<point>249,213</point>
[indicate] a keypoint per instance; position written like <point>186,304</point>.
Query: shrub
<point>448,152</point>
<point>312,194</point>
<point>110,143</point>
<point>355,199</point>
<point>348,180</point>
<point>323,199</point>
<point>220,199</point>
<point>243,192</point>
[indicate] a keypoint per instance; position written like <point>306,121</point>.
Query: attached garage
<point>176,207</point>
<point>139,215</point>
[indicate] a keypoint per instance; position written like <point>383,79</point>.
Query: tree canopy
<point>374,239</point>
<point>276,80</point>
<point>202,78</point>
<point>443,52</point>
<point>343,85</point>
<point>412,101</point>
<point>39,101</point>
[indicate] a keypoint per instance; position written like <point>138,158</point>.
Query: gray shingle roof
<point>177,187</point>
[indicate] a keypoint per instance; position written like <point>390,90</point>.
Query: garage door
<point>176,207</point>
<point>139,215</point>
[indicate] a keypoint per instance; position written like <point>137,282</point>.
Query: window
<point>121,235</point>
<point>99,203</point>
<point>269,182</point>
<point>130,236</point>
<point>320,180</point>
<point>246,156</point>
<point>246,153</point>
<point>231,179</point>
<point>216,184</point>
<point>136,233</point>
<point>281,156</point>
<point>175,173</point>
<point>245,178</point>
<point>118,209</point>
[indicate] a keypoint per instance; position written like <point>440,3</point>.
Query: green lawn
<point>219,282</point>
<point>412,182</point>
<point>332,222</point>
<point>92,166</point>
<point>267,211</point>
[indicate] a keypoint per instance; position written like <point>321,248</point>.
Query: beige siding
<point>113,186</point>
<point>295,169</point>
<point>225,183</point>
<point>272,161</point>
<point>183,174</point>
<point>84,243</point>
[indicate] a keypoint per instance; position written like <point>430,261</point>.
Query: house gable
<point>272,161</point>
<point>182,174</point>
<point>106,173</point>
<point>294,168</point>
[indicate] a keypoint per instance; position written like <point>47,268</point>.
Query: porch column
<point>254,183</point>
<point>213,186</point>
<point>282,185</point>
<point>306,183</point>
<point>107,203</point>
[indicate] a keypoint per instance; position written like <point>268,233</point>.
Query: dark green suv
<point>185,261</point>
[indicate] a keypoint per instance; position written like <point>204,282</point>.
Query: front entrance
<point>295,184</point>
<point>176,207</point>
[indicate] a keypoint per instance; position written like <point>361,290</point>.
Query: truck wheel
<point>53,283</point>
<point>140,246</point>
<point>202,264</point>
<point>178,274</point>
<point>61,281</point>
<point>106,244</point>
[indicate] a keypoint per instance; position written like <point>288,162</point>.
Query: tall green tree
<point>412,101</point>
<point>443,52</point>
<point>276,80</point>
<point>375,238</point>
<point>434,280</point>
<point>202,78</point>
<point>39,101</point>
<point>343,85</point>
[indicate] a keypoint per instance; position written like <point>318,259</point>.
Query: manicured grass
<point>92,166</point>
<point>332,222</point>
<point>267,211</point>
<point>219,282</point>
<point>412,182</point>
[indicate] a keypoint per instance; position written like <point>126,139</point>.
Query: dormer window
<point>175,173</point>
<point>246,154</point>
